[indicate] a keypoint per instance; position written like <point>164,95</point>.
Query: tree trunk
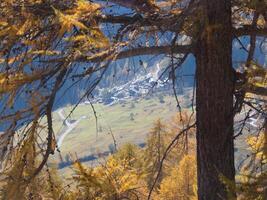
<point>214,101</point>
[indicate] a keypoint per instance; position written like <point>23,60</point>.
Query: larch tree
<point>44,43</point>
<point>181,183</point>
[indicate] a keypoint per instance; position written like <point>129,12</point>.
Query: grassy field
<point>129,121</point>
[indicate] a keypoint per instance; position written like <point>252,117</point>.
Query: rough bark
<point>214,101</point>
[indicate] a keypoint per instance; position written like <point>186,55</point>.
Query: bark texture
<point>214,99</point>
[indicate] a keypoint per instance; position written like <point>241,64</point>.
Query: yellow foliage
<point>10,30</point>
<point>122,176</point>
<point>67,22</point>
<point>10,82</point>
<point>181,183</point>
<point>256,76</point>
<point>257,145</point>
<point>86,41</point>
<point>91,35</point>
<point>86,7</point>
<point>46,52</point>
<point>21,167</point>
<point>112,180</point>
<point>25,26</point>
<point>261,22</point>
<point>251,180</point>
<point>3,23</point>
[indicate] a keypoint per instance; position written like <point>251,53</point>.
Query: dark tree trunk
<point>214,101</point>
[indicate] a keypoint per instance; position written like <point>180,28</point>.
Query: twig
<point>165,155</point>
<point>49,122</point>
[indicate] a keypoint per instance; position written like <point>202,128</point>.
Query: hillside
<point>128,121</point>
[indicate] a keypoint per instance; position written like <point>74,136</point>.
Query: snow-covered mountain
<point>141,85</point>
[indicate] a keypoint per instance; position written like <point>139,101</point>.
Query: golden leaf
<point>67,22</point>
<point>3,23</point>
<point>86,6</point>
<point>46,52</point>
<point>22,30</point>
<point>261,21</point>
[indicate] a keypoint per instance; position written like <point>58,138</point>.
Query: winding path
<point>68,125</point>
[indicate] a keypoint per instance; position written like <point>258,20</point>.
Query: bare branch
<point>49,108</point>
<point>141,51</point>
<point>262,91</point>
<point>143,5</point>
<point>250,30</point>
<point>166,154</point>
<point>252,40</point>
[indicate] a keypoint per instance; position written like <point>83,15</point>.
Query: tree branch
<point>250,30</point>
<point>141,51</point>
<point>252,41</point>
<point>262,91</point>
<point>49,122</point>
<point>168,149</point>
<point>139,5</point>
